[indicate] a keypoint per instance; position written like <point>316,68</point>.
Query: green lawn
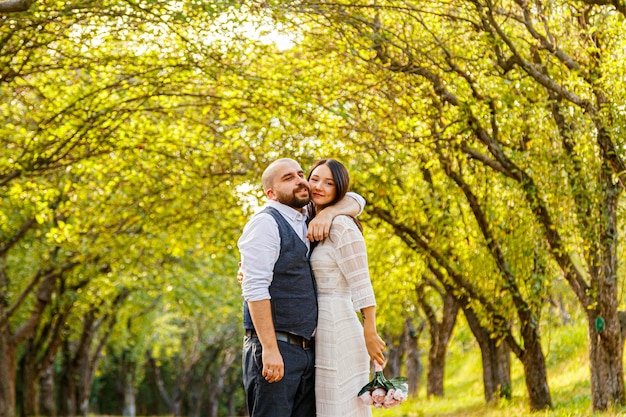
<point>565,348</point>
<point>568,377</point>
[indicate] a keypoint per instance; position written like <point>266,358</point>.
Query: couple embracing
<point>306,353</point>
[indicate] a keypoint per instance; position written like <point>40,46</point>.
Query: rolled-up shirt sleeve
<point>359,199</point>
<point>259,247</point>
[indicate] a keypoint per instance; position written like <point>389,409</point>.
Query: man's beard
<point>292,201</point>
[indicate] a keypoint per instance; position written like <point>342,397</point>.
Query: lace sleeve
<point>352,260</point>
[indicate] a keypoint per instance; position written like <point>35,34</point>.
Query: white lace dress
<point>343,287</point>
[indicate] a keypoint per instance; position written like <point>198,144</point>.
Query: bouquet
<point>383,392</point>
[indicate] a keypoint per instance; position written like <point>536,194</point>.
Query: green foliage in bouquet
<point>379,381</point>
<point>383,392</point>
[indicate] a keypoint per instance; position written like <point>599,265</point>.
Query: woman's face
<point>323,188</point>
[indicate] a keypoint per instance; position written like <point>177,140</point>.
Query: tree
<point>487,67</point>
<point>114,148</point>
<point>440,332</point>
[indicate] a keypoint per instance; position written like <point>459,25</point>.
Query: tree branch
<point>16,238</point>
<point>15,6</point>
<point>619,5</point>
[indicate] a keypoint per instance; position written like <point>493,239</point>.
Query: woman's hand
<point>373,342</point>
<point>375,346</point>
<point>319,226</point>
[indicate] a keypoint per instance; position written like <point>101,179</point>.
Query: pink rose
<point>378,395</point>
<point>399,395</point>
<point>390,402</point>
<point>366,397</point>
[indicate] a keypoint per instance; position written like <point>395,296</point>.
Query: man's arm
<point>259,246</point>
<point>261,314</point>
<point>351,205</point>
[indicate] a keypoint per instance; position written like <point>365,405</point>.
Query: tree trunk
<point>436,369</point>
<point>605,342</point>
<point>47,398</point>
<point>604,329</point>
<point>67,387</point>
<point>30,382</point>
<point>194,399</point>
<point>605,356</point>
<point>37,358</point>
<point>566,318</point>
<point>502,367</point>
<point>130,407</point>
<point>88,351</point>
<point>534,364</point>
<point>414,367</point>
<point>86,380</point>
<point>158,379</point>
<point>7,372</point>
<point>395,355</point>
<point>9,341</point>
<point>496,359</point>
<point>231,389</point>
<point>536,380</point>
<point>226,357</point>
<point>439,338</point>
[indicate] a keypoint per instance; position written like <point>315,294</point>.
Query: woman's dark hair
<point>341,177</point>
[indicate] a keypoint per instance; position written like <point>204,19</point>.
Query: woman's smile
<point>322,184</point>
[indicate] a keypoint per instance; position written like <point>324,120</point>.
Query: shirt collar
<point>289,212</point>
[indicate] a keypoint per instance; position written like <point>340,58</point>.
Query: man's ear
<point>270,194</point>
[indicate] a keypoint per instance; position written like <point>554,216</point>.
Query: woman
<point>343,346</point>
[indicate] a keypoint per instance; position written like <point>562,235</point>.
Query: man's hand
<point>273,365</point>
<point>240,275</point>
<point>319,227</point>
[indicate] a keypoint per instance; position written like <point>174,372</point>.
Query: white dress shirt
<point>259,246</point>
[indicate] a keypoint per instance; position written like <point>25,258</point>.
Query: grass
<point>567,363</point>
<point>565,348</point>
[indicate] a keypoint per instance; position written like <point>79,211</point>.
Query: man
<point>280,307</point>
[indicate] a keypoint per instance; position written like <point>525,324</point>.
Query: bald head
<point>275,169</point>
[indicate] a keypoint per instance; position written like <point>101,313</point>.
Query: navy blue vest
<point>294,299</point>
